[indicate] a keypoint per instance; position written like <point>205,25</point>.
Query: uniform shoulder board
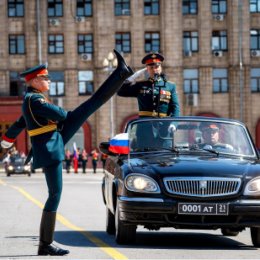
<point>42,100</point>
<point>36,97</point>
<point>171,82</point>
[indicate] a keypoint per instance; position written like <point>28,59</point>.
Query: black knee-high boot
<point>46,236</point>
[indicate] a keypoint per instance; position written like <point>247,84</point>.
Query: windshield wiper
<point>172,149</point>
<point>148,149</point>
<point>211,150</point>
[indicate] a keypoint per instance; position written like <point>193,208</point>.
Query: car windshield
<point>179,135</point>
<point>16,160</point>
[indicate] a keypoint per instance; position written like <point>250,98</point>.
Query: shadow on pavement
<point>171,240</point>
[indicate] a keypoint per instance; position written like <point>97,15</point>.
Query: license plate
<point>203,208</point>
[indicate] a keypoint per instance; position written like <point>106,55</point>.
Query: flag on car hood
<point>120,144</point>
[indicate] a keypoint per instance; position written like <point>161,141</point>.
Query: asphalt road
<point>81,226</point>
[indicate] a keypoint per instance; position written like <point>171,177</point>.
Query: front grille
<point>202,186</point>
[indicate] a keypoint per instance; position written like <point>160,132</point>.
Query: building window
<point>255,39</point>
<point>151,7</point>
<point>255,80</point>
<point>55,8</point>
<point>84,7</point>
<point>190,81</point>
<point>55,44</point>
<point>219,40</point>
<point>17,87</point>
<point>85,43</point>
<point>57,88</point>
<point>220,81</point>
<point>152,42</point>
<point>85,82</point>
<point>122,7</point>
<point>219,6</point>
<point>16,44</point>
<point>254,6</point>
<point>15,8</point>
<point>123,42</point>
<point>190,42</point>
<point>189,6</point>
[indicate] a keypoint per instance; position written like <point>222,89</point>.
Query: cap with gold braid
<point>208,125</point>
<point>40,70</point>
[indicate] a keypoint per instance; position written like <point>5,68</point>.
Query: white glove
<point>137,74</point>
<point>5,144</point>
<point>172,129</point>
<point>229,147</point>
<point>208,147</point>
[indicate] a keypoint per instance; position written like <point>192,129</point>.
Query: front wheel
<point>110,222</point>
<point>125,234</point>
<point>229,232</point>
<point>255,236</point>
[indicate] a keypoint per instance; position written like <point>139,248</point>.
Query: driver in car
<point>210,135</point>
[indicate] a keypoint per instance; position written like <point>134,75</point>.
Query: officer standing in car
<point>50,128</point>
<point>157,97</point>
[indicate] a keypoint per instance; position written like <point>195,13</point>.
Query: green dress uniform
<point>156,98</point>
<point>50,128</point>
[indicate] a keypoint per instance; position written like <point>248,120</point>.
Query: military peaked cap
<point>208,125</point>
<point>153,58</point>
<point>40,70</point>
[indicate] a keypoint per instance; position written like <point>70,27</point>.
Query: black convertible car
<point>185,173</point>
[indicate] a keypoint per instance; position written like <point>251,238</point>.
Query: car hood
<point>186,165</point>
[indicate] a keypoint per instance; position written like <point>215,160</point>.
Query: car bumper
<point>18,172</point>
<point>164,212</point>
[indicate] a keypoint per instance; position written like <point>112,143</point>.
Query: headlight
<point>10,168</point>
<point>141,183</point>
<point>27,167</point>
<point>253,187</point>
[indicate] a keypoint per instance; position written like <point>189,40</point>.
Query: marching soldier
<point>157,97</point>
<point>50,128</point>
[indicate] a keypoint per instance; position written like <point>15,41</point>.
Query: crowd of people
<point>82,159</point>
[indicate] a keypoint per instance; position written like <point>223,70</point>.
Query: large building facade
<point>211,49</point>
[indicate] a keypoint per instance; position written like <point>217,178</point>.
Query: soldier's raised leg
<point>78,116</point>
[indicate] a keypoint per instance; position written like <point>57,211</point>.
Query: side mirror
<point>119,144</point>
<point>104,148</point>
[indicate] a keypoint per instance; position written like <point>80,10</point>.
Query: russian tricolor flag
<point>75,154</point>
<point>120,144</point>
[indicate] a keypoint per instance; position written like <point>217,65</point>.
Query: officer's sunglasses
<point>154,66</point>
<point>44,77</point>
<point>210,131</point>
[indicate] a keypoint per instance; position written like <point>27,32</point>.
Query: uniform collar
<point>32,89</point>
